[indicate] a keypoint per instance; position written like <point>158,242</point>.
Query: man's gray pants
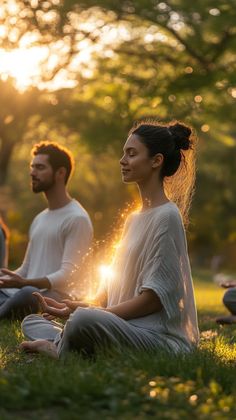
<point>24,302</point>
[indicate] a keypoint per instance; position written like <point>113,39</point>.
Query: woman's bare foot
<point>40,346</point>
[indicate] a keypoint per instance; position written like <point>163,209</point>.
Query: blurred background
<point>81,72</point>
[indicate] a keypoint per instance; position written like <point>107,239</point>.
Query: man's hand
<point>10,279</point>
<point>51,308</point>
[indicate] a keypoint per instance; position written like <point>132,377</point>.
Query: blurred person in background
<point>229,301</point>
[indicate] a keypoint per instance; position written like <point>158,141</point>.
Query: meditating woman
<point>148,303</point>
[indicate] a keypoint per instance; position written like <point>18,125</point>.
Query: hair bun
<point>181,134</point>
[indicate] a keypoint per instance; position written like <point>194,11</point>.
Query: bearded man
<point>59,238</point>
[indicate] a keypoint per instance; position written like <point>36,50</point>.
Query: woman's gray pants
<point>229,300</point>
<point>88,329</point>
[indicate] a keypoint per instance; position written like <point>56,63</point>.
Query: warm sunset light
<point>116,245</point>
<point>81,84</point>
<point>105,271</point>
<point>27,65</point>
<point>48,66</point>
<point>23,65</point>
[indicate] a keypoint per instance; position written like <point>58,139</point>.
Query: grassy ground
<point>198,386</point>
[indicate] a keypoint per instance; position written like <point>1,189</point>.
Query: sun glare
<point>23,65</point>
<point>28,63</point>
<point>105,271</point>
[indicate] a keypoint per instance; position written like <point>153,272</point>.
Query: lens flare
<point>106,272</point>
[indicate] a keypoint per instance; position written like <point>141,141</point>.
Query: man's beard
<point>42,186</point>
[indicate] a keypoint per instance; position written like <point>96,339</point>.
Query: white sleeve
<point>23,269</point>
<point>77,240</point>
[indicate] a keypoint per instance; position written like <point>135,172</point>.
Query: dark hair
<point>168,140</point>
<point>58,156</point>
<point>175,141</point>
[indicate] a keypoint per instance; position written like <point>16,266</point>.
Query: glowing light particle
<point>205,128</point>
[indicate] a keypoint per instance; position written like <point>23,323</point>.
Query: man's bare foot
<point>40,346</point>
<point>230,319</point>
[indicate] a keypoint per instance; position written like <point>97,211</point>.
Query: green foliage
<point>14,117</point>
<point>169,60</point>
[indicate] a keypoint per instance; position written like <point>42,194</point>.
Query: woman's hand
<point>74,304</point>
<point>51,308</point>
<point>83,303</point>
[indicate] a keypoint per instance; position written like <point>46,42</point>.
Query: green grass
<point>128,386</point>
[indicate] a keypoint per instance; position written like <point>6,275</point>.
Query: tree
<point>15,113</point>
<point>169,59</point>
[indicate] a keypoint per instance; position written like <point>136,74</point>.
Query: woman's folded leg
<point>88,329</point>
<point>35,327</point>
